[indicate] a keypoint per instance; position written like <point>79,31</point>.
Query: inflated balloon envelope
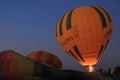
<point>46,58</point>
<point>84,33</point>
<point>14,66</point>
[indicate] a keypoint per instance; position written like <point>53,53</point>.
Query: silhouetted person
<point>117,70</point>
<point>109,72</point>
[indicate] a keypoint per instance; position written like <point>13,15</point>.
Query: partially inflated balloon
<point>14,66</point>
<point>45,58</point>
<point>84,33</point>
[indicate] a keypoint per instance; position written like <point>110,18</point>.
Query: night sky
<point>29,25</point>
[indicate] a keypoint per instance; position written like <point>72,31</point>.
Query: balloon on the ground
<point>45,58</point>
<point>14,66</point>
<point>84,33</point>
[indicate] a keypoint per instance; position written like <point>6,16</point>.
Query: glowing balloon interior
<point>84,33</point>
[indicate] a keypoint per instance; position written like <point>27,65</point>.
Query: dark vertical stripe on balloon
<point>106,44</point>
<point>73,54</point>
<point>60,26</point>
<point>68,23</point>
<point>1,63</point>
<point>106,14</point>
<point>78,52</point>
<point>56,29</point>
<point>7,66</point>
<point>104,24</point>
<point>101,48</point>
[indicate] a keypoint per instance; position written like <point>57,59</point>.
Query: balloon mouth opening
<point>90,68</point>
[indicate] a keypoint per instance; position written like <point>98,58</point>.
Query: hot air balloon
<point>45,58</point>
<point>14,63</point>
<point>84,33</point>
<point>14,66</point>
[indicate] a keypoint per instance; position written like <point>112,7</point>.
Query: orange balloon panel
<point>46,58</point>
<point>84,33</point>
